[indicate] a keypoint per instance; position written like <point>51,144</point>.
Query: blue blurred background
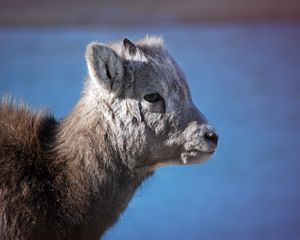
<point>242,61</point>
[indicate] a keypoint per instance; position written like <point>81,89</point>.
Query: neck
<point>100,184</point>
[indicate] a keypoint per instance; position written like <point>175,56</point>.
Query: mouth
<point>195,156</point>
<point>187,157</point>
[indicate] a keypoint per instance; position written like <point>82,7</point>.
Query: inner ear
<point>105,67</point>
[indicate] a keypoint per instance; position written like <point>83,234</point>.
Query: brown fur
<point>50,188</point>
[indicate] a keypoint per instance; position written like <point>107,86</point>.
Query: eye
<point>153,97</point>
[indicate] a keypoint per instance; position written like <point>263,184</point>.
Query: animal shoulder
<point>24,136</point>
<point>26,191</point>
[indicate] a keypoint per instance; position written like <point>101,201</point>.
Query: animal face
<point>147,103</point>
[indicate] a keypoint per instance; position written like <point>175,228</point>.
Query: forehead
<point>154,67</point>
<point>159,70</point>
<point>165,71</point>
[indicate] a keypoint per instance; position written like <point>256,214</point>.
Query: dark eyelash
<point>153,97</point>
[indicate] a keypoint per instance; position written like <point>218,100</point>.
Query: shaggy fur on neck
<point>66,188</point>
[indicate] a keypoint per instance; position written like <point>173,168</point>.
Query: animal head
<point>146,103</point>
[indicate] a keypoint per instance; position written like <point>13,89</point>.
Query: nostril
<point>211,136</point>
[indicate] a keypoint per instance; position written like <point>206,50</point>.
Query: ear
<point>105,67</point>
<point>129,46</point>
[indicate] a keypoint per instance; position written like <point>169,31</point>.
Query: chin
<point>186,158</point>
<point>195,157</point>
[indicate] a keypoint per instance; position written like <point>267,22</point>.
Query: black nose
<point>212,136</point>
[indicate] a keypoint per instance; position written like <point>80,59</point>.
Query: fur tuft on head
<point>157,41</point>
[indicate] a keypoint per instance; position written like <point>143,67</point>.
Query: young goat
<point>72,179</point>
